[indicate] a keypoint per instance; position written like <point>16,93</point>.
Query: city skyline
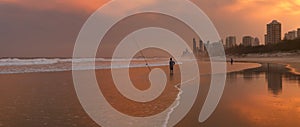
<point>289,35</point>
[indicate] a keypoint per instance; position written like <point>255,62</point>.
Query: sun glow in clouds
<point>268,7</point>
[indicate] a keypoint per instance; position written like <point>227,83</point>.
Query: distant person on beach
<point>231,61</point>
<point>171,64</point>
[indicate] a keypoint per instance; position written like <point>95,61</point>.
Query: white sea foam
<point>14,65</point>
<point>177,103</point>
<point>43,61</point>
<point>20,62</point>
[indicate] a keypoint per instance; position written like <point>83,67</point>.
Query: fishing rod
<point>141,52</point>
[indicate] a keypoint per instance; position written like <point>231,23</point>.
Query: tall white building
<point>194,46</point>
<point>230,41</point>
<point>248,41</point>
<point>273,35</point>
<point>291,35</point>
<point>201,46</point>
<point>255,42</point>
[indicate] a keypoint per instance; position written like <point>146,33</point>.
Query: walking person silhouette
<point>171,65</point>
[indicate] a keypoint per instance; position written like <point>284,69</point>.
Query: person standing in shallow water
<point>231,61</point>
<point>171,65</point>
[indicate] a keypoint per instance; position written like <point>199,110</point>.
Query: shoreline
<point>236,67</point>
<point>293,69</point>
<point>291,63</point>
<point>290,67</point>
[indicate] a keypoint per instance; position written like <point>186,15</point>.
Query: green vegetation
<point>284,46</point>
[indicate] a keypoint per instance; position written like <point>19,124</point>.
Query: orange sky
<point>253,8</point>
<point>231,17</point>
<point>245,12</point>
<point>65,5</point>
<point>257,10</point>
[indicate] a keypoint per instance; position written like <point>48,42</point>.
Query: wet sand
<point>294,67</point>
<point>49,99</point>
<point>267,96</point>
<point>40,99</point>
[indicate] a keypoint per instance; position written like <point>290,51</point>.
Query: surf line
<point>177,86</point>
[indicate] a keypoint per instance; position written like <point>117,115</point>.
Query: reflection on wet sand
<point>265,96</point>
<point>268,96</point>
<point>274,75</point>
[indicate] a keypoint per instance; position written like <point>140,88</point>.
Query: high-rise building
<point>255,42</point>
<point>273,32</point>
<point>248,41</point>
<point>291,35</point>
<point>194,46</point>
<point>298,33</point>
<point>201,46</point>
<point>266,39</point>
<point>230,41</point>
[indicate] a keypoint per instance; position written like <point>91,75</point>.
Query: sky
<point>49,28</point>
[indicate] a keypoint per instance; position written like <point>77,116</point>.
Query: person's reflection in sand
<point>171,77</point>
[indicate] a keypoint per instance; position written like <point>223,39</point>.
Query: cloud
<point>122,7</point>
<point>33,32</point>
<point>43,24</point>
<point>263,8</point>
<point>62,5</point>
<point>249,17</point>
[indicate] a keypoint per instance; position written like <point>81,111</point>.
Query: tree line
<point>283,46</point>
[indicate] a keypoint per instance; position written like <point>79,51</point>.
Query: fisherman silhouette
<point>231,61</point>
<point>171,65</point>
